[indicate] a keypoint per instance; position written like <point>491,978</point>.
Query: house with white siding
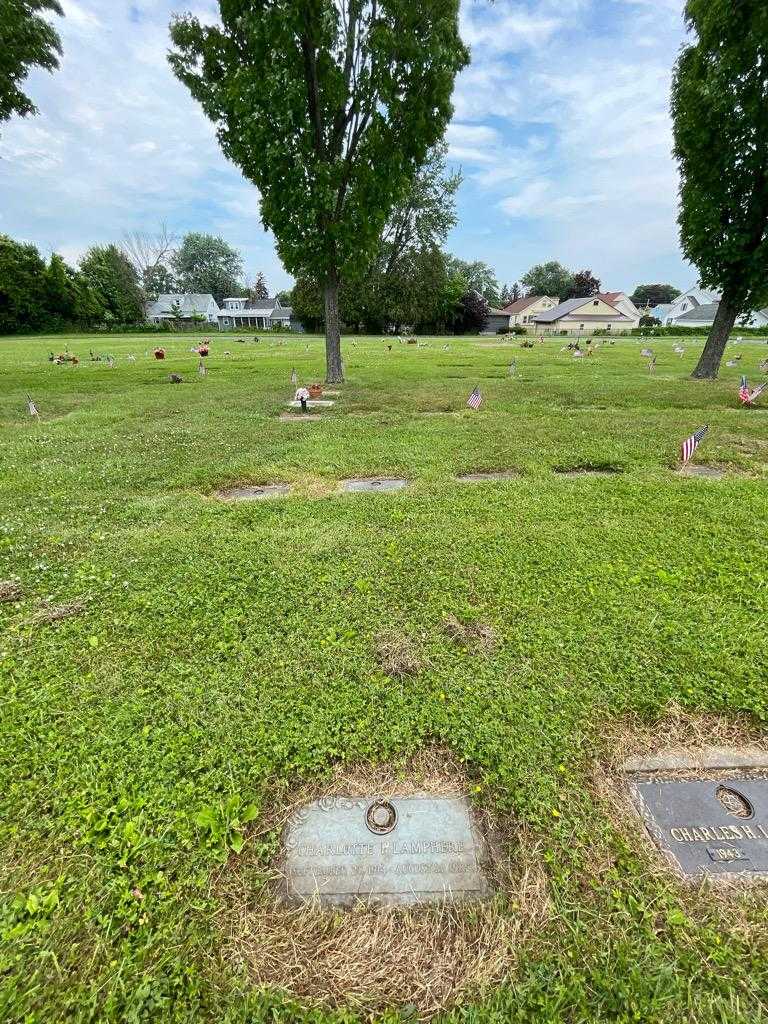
<point>584,316</point>
<point>238,313</point>
<point>188,307</point>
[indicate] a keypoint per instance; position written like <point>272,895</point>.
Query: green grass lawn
<point>227,650</point>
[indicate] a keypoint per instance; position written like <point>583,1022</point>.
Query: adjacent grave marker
<point>702,470</point>
<point>392,850</point>
<point>374,484</point>
<point>254,493</point>
<point>707,827</point>
<point>479,478</point>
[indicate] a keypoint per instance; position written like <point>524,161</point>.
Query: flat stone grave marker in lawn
<point>374,484</point>
<point>705,827</point>
<point>571,472</point>
<point>292,417</point>
<point>254,492</point>
<point>393,851</point>
<point>481,478</point>
<point>312,403</point>
<point>703,471</point>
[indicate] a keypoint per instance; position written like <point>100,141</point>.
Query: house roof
<point>698,314</point>
<point>549,316</point>
<point>497,312</point>
<point>521,304</point>
<point>609,297</point>
<point>189,303</point>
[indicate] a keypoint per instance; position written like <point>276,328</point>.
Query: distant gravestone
<point>703,471</point>
<point>374,484</point>
<point>254,493</point>
<point>481,478</point>
<point>706,827</point>
<point>401,850</point>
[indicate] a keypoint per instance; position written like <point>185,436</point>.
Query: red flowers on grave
<point>202,350</point>
<point>159,353</point>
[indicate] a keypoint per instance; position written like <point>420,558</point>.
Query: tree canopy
<point>720,115</point>
<point>205,263</point>
<point>113,279</point>
<point>654,295</point>
<point>479,277</point>
<point>550,278</point>
<point>583,285</point>
<point>330,108</point>
<point>27,40</point>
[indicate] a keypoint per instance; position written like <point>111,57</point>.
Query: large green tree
<point>329,107</point>
<point>22,287</point>
<point>114,281</point>
<point>720,113</point>
<point>479,278</point>
<point>552,279</point>
<point>27,40</point>
<point>583,285</point>
<point>654,295</point>
<point>207,264</point>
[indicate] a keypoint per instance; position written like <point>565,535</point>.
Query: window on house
<point>596,302</point>
<point>581,327</point>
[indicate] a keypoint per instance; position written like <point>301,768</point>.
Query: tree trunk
<point>709,363</point>
<point>334,373</point>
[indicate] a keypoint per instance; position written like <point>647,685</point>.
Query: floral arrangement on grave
<point>159,353</point>
<point>202,350</point>
<point>315,390</point>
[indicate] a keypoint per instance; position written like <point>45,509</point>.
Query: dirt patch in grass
<point>47,613</point>
<point>397,655</point>
<point>368,958</point>
<point>477,636</point>
<point>10,591</point>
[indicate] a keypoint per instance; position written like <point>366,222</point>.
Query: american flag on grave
<point>691,443</point>
<point>744,390</point>
<point>646,353</point>
<point>752,396</point>
<point>475,399</point>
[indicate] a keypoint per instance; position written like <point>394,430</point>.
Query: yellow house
<point>583,316</point>
<point>524,311</point>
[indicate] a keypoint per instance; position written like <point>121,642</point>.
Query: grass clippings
<point>48,613</point>
<point>369,958</point>
<point>477,636</point>
<point>10,591</point>
<point>397,655</point>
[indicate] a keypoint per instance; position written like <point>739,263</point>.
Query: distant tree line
<point>112,285</point>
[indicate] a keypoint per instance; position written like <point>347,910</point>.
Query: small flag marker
<point>34,412</point>
<point>691,443</point>
<point>475,400</point>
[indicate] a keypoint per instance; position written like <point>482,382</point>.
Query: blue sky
<point>561,130</point>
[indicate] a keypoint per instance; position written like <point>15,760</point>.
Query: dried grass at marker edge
<point>370,958</point>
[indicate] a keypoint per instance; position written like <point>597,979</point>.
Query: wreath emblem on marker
<point>734,802</point>
<point>381,817</point>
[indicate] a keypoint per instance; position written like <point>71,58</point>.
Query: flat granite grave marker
<point>707,827</point>
<point>703,471</point>
<point>254,492</point>
<point>395,851</point>
<point>480,478</point>
<point>375,484</point>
